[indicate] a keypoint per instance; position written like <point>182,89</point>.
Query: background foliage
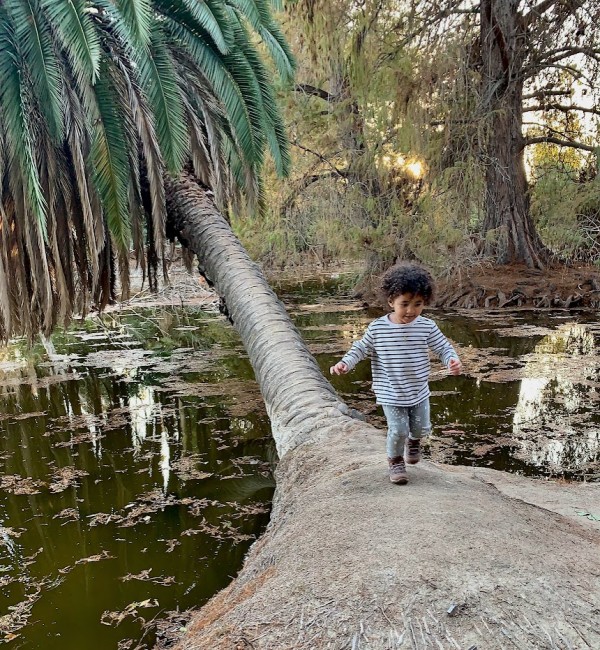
<point>386,163</point>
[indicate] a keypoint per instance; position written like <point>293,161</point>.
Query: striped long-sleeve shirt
<point>400,358</point>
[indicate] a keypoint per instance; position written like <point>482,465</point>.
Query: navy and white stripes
<point>400,358</point>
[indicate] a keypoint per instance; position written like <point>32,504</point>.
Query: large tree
<point>467,86</point>
<point>513,57</point>
<point>100,102</point>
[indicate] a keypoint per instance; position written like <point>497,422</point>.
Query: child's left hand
<point>454,367</point>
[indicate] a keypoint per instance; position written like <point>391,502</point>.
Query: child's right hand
<point>340,368</point>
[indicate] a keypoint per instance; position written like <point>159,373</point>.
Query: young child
<point>399,345</point>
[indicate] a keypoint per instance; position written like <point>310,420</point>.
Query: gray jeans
<point>406,421</point>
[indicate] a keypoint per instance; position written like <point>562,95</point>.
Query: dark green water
<point>528,401</point>
<point>166,475</point>
<point>137,461</point>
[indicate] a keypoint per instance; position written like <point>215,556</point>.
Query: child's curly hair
<point>407,278</point>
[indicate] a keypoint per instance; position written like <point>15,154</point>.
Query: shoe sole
<point>412,462</point>
<point>400,481</point>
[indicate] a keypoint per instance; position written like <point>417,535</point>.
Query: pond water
<point>136,471</point>
<point>137,462</point>
<point>528,400</point>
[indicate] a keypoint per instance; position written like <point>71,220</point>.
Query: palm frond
<point>159,81</point>
<point>205,19</point>
<point>6,278</point>
<point>69,286</point>
<point>119,82</point>
<point>225,88</point>
<point>137,231</point>
<point>88,205</point>
<point>154,164</point>
<point>27,319</point>
<point>213,20</point>
<point>15,115</point>
<point>208,128</point>
<point>32,34</point>
<point>256,12</point>
<point>58,300</point>
<point>113,25</point>
<point>137,15</point>
<point>279,51</point>
<point>244,176</point>
<point>201,158</point>
<point>77,35</point>
<point>258,15</point>
<point>24,320</point>
<point>110,161</point>
<point>268,113</point>
<point>31,250</point>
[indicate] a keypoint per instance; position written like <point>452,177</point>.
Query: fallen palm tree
<point>462,558</point>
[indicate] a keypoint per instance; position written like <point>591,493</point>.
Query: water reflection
<point>556,411</point>
<point>570,338</point>
<point>142,407</point>
<point>110,470</point>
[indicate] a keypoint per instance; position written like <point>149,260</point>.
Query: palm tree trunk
<point>300,401</point>
<point>348,555</point>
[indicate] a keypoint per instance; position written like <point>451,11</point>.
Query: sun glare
<point>415,168</point>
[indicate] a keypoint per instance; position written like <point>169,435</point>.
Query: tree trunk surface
<point>511,235</point>
<point>459,558</point>
<point>296,393</point>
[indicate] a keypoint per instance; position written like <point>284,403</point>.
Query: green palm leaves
<point>98,100</point>
<point>74,32</point>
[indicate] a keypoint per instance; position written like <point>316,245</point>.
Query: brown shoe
<point>413,451</point>
<point>398,473</point>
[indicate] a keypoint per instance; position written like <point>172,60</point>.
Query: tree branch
<point>554,56</point>
<point>305,183</point>
<point>307,89</point>
<point>568,51</point>
<point>561,107</point>
<point>539,10</point>
<point>542,7</point>
<point>548,93</point>
<point>560,142</point>
<point>432,20</point>
<point>552,132</point>
<point>321,157</point>
<point>532,70</point>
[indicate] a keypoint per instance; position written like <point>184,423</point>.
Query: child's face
<point>407,307</point>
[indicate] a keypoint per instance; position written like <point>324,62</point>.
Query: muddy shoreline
<point>481,287</point>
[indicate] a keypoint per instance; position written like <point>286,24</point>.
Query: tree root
<point>509,287</point>
<point>481,299</point>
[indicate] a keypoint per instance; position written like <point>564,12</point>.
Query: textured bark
<point>299,399</point>
<point>503,41</point>
<point>351,561</point>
